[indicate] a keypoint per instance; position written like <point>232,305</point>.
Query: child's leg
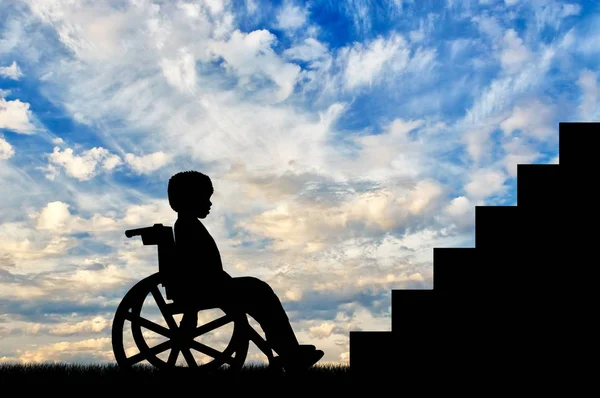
<point>256,298</point>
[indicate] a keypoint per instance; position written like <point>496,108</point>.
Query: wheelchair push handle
<point>130,233</point>
<point>157,234</point>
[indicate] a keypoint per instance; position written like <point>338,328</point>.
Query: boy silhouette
<point>199,273</point>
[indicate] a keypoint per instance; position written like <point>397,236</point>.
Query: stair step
<point>414,310</point>
<point>430,323</point>
<point>453,268</point>
<point>371,351</point>
<point>496,226</point>
<point>539,186</point>
<point>578,143</point>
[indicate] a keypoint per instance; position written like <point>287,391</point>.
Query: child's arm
<point>195,253</point>
<point>190,250</point>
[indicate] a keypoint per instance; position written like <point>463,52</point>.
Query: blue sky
<point>345,141</point>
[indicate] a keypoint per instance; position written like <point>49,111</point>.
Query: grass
<point>251,376</point>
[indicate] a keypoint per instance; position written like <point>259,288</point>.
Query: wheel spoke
<point>212,325</point>
<point>189,357</point>
<point>207,350</point>
<point>173,356</point>
<point>156,328</point>
<point>260,342</point>
<point>162,305</point>
<point>135,359</point>
<point>157,349</point>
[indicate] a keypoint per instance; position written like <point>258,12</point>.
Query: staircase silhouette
<point>517,306</point>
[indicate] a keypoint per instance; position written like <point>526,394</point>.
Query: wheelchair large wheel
<point>161,340</point>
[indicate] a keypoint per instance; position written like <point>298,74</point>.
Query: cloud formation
<point>82,167</point>
<point>11,72</point>
<point>344,141</point>
<point>6,150</point>
<point>16,116</point>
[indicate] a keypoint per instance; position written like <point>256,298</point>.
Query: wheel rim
<point>180,345</point>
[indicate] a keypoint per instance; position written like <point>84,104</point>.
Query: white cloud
<point>94,325</point>
<point>422,62</point>
<point>570,10</point>
<point>310,50</point>
<point>16,116</point>
<point>147,163</point>
<point>293,294</point>
<point>85,166</point>
<point>458,206</point>
<point>345,357</point>
<point>110,162</point>
<point>416,35</point>
<point>59,245</point>
<point>96,349</point>
<point>478,143</point>
<point>147,213</point>
<point>55,216</point>
<point>517,152</point>
<point>181,71</point>
<point>93,32</point>
<point>323,330</point>
<point>488,25</point>
<point>552,12</point>
<point>459,45</point>
<point>251,6</point>
<point>297,226</point>
<point>25,246</point>
<point>6,150</point>
<point>12,72</point>
<point>514,53</point>
<point>359,12</point>
<point>588,104</point>
<point>502,92</point>
<point>365,62</point>
<point>250,55</point>
<point>427,26</point>
<point>37,244</point>
<point>392,154</point>
<point>291,16</point>
<point>533,118</point>
<point>223,26</point>
<point>460,212</point>
<point>485,183</point>
<point>316,74</point>
<point>215,6</point>
<point>192,10</point>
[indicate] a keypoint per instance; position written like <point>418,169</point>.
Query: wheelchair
<point>175,343</point>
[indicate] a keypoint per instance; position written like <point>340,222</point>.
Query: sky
<point>344,139</point>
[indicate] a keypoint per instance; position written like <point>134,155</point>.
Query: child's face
<point>203,207</point>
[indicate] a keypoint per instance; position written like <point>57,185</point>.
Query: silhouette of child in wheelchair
<point>192,274</point>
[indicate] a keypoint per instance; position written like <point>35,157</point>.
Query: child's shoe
<point>302,358</point>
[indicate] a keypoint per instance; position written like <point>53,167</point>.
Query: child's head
<point>189,192</point>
